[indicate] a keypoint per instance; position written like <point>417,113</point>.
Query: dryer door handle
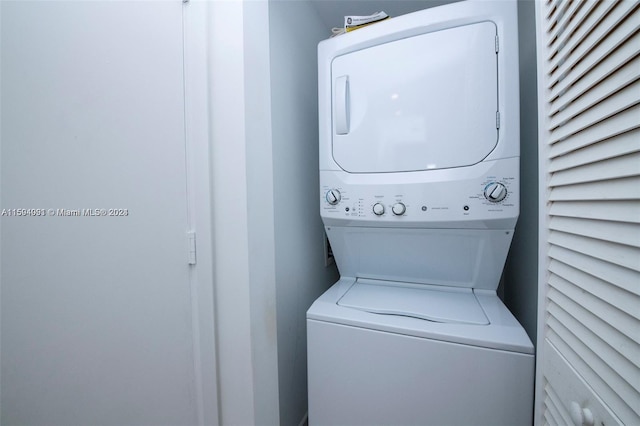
<point>341,104</point>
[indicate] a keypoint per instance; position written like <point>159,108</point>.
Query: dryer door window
<point>419,103</point>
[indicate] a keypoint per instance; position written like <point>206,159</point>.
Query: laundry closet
<point>201,118</point>
<point>288,107</point>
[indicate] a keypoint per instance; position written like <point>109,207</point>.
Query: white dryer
<point>419,176</point>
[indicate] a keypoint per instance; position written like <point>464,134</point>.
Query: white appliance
<point>419,176</point>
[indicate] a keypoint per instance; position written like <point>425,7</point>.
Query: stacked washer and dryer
<point>419,176</point>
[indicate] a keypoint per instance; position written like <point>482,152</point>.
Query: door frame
<point>199,193</point>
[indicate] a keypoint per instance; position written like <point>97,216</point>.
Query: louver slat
<point>559,42</point>
<point>615,189</point>
<point>611,283</point>
<point>619,211</point>
<point>555,9</point>
<point>589,41</point>
<point>618,342</point>
<point>559,414</point>
<point>620,123</point>
<point>623,144</point>
<point>614,168</point>
<point>551,413</point>
<point>605,109</point>
<point>552,8</point>
<point>568,385</point>
<point>565,20</point>
<point>625,53</point>
<point>619,395</point>
<point>602,250</point>
<point>622,77</point>
<point>621,368</point>
<point>617,232</point>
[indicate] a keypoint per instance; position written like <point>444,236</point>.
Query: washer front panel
<point>365,377</point>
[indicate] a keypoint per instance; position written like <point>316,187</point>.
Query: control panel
<point>492,195</point>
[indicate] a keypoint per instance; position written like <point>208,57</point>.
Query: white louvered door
<point>589,109</point>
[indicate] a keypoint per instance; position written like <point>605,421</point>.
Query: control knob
<point>399,209</point>
<point>495,192</point>
<point>333,197</point>
<point>378,209</point>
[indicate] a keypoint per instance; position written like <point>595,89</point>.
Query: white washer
<point>419,176</point>
<point>373,369</point>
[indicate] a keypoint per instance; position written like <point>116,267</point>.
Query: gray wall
<point>521,271</point>
<point>301,274</point>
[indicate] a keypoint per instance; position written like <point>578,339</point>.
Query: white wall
<point>229,219</point>
<point>243,212</point>
<point>301,274</point>
<point>269,243</point>
<point>260,190</point>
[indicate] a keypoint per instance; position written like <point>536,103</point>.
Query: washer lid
<point>420,103</point>
<point>432,303</point>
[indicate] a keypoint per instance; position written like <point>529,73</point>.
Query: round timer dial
<point>495,192</point>
<point>333,196</point>
<point>399,209</point>
<point>378,209</point>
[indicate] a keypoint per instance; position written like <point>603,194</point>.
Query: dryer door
<point>419,103</point>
